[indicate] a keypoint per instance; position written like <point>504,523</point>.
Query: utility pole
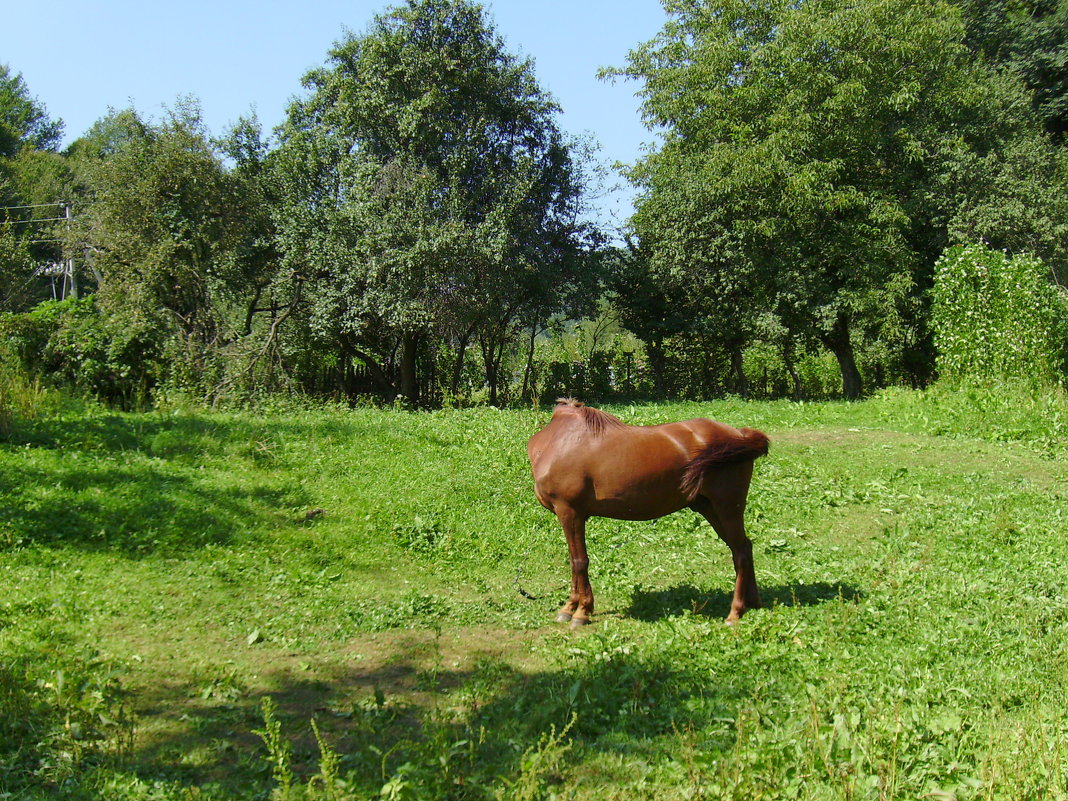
<point>70,277</point>
<point>64,267</point>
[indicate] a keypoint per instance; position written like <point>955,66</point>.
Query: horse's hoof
<point>579,622</point>
<point>563,617</point>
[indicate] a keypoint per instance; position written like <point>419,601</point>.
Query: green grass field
<point>324,604</point>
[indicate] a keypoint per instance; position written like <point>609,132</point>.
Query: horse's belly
<point>623,511</point>
<point>653,500</point>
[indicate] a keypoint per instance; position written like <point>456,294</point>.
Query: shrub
<point>70,343</point>
<point>994,316</point>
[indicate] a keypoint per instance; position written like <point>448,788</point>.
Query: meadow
<point>358,603</point>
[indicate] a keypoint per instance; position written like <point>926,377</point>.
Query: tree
<point>647,307</point>
<point>426,193</point>
<point>1029,38</point>
<point>158,222</point>
<point>24,122</point>
<point>28,168</point>
<point>805,156</point>
<point>696,263</point>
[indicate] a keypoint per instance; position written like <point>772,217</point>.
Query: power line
<point>42,220</point>
<point>37,205</point>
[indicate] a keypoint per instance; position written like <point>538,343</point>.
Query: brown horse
<point>587,463</point>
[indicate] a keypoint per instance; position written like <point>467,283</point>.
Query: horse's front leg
<point>579,606</point>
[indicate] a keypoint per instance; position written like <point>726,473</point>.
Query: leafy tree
<point>23,121</point>
<point>30,173</point>
<point>805,158</point>
<point>245,145</point>
<point>426,193</point>
<point>1030,38</point>
<point>651,306</point>
<point>16,267</point>
<point>159,226</point>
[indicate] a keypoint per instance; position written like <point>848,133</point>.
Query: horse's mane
<point>596,420</point>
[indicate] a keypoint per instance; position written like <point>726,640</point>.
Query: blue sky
<point>79,58</point>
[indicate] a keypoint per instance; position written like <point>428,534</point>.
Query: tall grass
<point>20,396</point>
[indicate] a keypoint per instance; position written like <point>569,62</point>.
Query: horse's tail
<point>745,446</point>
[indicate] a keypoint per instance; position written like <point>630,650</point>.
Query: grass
<point>324,604</point>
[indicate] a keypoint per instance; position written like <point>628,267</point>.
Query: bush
<point>70,343</point>
<point>994,316</point>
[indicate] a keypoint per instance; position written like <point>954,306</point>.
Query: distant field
<point>182,594</point>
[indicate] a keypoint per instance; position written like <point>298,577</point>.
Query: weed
<point>279,751</point>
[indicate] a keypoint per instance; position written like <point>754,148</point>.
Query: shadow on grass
<point>136,485</point>
<point>652,605</point>
<point>457,733</point>
<point>136,510</point>
<point>173,437</point>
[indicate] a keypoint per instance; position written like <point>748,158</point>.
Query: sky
<point>81,58</point>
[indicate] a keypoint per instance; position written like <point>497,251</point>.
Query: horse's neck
<point>571,425</point>
<point>567,417</point>
<point>592,420</point>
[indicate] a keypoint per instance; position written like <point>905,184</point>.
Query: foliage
<point>418,229</point>
<point>24,122</point>
<point>1030,38</point>
<point>156,219</point>
<point>31,174</point>
<point>16,261</point>
<point>70,344</point>
<point>996,316</point>
<point>1011,197</point>
<point>427,189</point>
<point>811,164</point>
<point>166,223</point>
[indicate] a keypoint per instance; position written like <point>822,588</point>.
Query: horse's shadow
<point>650,604</point>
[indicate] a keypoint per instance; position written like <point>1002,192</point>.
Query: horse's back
<point>629,472</point>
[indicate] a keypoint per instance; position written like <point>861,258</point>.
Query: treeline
<point>419,227</point>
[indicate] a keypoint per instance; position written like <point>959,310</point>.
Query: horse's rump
<point>746,446</point>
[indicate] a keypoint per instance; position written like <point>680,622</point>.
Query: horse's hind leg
<point>579,606</point>
<point>722,503</point>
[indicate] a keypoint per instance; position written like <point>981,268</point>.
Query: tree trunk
<point>345,378</point>
<point>738,366</point>
<point>842,347</point>
<point>529,370</point>
<point>791,368</point>
<point>250,312</point>
<point>409,384</point>
<point>485,341</point>
<point>458,365</point>
<point>499,358</point>
<point>493,342</point>
<point>655,352</point>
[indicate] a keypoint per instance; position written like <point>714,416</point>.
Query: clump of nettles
<point>996,316</point>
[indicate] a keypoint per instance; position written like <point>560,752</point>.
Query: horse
<point>589,463</point>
